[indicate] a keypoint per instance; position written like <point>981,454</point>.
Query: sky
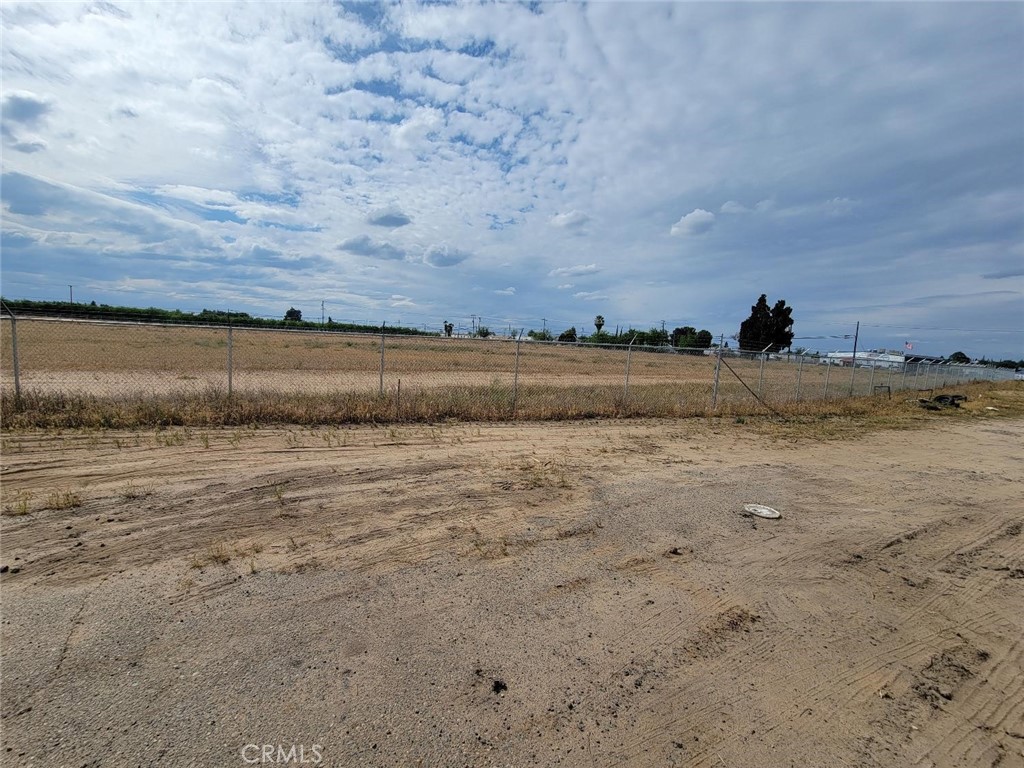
<point>526,165</point>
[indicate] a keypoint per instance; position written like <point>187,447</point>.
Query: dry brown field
<point>119,360</point>
<point>520,594</point>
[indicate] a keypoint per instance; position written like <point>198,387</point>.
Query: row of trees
<point>961,358</point>
<point>767,328</point>
<point>94,311</point>
<point>686,337</point>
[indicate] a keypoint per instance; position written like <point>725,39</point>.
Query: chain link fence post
<point>799,375</point>
<point>14,355</point>
<point>871,381</point>
<point>231,348</point>
<point>718,368</point>
<point>625,391</point>
<point>515,377</point>
<point>828,372</point>
<point>381,391</point>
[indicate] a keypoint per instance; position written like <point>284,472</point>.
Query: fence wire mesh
<point>391,377</point>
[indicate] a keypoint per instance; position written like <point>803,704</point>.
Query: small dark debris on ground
<point>939,402</point>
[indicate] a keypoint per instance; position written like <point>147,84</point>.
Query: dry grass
<point>94,376</point>
<point>132,492</point>
<point>220,553</point>
<point>215,554</point>
<point>18,505</point>
<point>213,408</point>
<point>836,419</point>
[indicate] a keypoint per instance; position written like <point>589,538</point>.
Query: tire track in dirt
<point>635,617</point>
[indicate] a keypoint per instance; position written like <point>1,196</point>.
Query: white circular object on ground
<point>762,511</point>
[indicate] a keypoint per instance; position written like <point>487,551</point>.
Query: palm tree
<point>599,322</point>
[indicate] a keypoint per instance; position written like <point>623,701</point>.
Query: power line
<point>925,327</point>
<point>929,328</point>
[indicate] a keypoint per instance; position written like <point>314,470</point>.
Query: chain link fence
<point>427,377</point>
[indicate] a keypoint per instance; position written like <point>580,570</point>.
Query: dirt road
<point>514,595</point>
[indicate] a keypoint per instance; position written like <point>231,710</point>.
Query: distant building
<point>879,358</point>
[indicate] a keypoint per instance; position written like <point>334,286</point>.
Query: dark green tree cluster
<point>960,357</point>
<point>655,337</point>
<point>689,337</point>
<point>767,328</point>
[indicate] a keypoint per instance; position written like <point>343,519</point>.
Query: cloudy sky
<point>526,163</point>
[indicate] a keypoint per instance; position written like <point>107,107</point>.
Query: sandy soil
<point>514,595</point>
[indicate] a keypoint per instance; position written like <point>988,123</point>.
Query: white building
<point>879,358</point>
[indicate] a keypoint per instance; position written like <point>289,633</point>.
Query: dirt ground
<point>584,594</point>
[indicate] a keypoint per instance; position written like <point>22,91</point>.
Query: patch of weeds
<point>250,552</point>
<point>215,554</point>
<point>131,492</point>
<point>61,499</point>
<point>204,438</point>
<point>279,494</point>
<point>542,475</point>
<point>20,505</point>
<point>169,439</point>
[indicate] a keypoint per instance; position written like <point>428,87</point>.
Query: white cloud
<point>570,220</point>
<point>590,296</point>
<point>731,206</point>
<point>294,127</point>
<point>696,222</point>
<point>578,269</point>
<point>840,206</point>
<point>510,291</point>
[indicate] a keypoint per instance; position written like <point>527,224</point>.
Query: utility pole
<point>71,294</point>
<point>544,320</point>
<point>321,312</point>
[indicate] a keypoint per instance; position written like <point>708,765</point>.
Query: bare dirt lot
<point>581,594</point>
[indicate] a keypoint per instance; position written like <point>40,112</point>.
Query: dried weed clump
<point>62,499</point>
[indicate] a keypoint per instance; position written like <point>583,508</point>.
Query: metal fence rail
<point>500,377</point>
